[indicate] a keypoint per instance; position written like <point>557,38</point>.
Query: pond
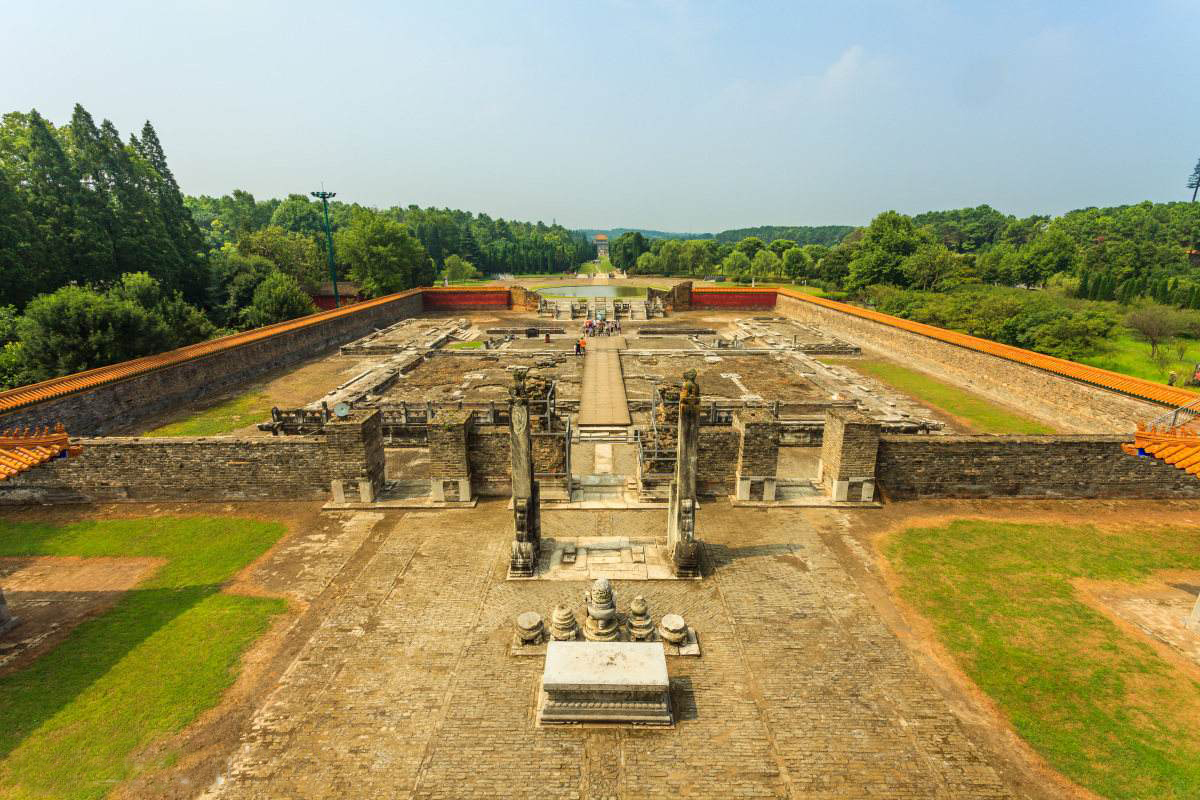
<point>592,291</point>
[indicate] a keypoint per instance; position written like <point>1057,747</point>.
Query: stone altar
<point>600,624</point>
<point>605,682</point>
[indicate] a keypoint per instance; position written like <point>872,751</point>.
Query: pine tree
<point>180,225</point>
<point>1193,182</point>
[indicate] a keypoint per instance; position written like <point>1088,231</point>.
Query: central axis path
<point>603,401</point>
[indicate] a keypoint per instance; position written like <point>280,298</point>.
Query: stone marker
<point>1194,620</point>
<point>673,629</point>
<point>682,547</point>
<point>530,629</point>
<point>605,682</point>
<point>641,627</point>
<point>600,624</point>
<point>527,521</point>
<point>563,625</point>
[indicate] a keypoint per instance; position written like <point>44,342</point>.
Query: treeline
<point>102,258</point>
<point>744,260</point>
<point>827,235</point>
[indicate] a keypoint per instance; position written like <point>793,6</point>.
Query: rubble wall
<point>914,467</point>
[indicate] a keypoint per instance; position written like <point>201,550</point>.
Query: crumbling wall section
<point>915,467</point>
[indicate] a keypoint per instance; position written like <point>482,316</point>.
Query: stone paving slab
<point>602,400</point>
<point>407,688</point>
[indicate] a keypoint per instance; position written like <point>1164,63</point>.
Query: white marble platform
<point>623,682</point>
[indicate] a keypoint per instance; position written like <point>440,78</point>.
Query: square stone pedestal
<point>605,682</point>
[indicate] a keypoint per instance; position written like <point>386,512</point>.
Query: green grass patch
<point>71,722</point>
<point>1102,707</point>
<point>982,415</point>
<point>227,416</point>
<point>476,345</point>
<point>1126,354</point>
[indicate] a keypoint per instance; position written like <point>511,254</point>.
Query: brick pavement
<point>406,689</point>
<point>602,400</point>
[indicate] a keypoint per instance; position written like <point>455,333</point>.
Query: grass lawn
<point>1127,355</point>
<point>475,345</point>
<point>1101,707</point>
<point>982,415</point>
<point>71,721</point>
<point>237,412</point>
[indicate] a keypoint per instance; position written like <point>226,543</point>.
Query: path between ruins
<point>603,401</point>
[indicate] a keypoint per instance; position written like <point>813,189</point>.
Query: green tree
<point>735,265</point>
<point>796,263</point>
<point>781,246</point>
<point>298,214</point>
<point>933,267</point>
<point>383,256</point>
<point>459,269</point>
<point>764,265</point>
<point>886,243</point>
<point>626,249</point>
<point>75,328</point>
<point>293,254</point>
<point>1193,181</point>
<point>750,246</point>
<point>278,298</point>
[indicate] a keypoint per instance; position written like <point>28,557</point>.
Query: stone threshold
<point>804,502</point>
<point>407,503</point>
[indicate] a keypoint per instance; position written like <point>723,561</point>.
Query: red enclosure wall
<point>733,299</point>
<point>465,299</point>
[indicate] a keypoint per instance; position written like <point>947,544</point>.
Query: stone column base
<point>450,490</point>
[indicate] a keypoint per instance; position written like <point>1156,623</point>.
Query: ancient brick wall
<point>911,467</point>
<point>124,404</point>
<point>211,468</point>
<point>848,446</point>
<point>758,453</point>
<point>452,299</point>
<point>732,299</point>
<point>1064,403</point>
<point>717,460</point>
<point>524,299</point>
<point>448,445</point>
<point>354,450</point>
<point>491,458</point>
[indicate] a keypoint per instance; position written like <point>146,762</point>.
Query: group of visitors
<point>602,327</point>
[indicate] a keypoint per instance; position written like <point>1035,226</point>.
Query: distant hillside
<point>615,232</point>
<point>828,235</point>
<point>801,234</point>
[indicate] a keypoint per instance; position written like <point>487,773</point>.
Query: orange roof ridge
<point>1107,379</point>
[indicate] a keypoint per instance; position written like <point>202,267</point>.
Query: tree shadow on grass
<point>31,696</point>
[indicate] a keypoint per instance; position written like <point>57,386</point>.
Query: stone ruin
<point>602,622</point>
<point>682,548</point>
<point>527,520</point>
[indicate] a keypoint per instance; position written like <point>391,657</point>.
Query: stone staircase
<point>602,433</point>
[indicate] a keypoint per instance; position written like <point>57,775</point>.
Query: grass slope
<point>1100,706</point>
<point>982,415</point>
<point>1127,355</point>
<point>71,721</point>
<point>227,416</point>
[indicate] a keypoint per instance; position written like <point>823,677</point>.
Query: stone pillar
<point>7,620</point>
<point>449,465</point>
<point>527,519</point>
<point>848,451</point>
<point>758,452</point>
<point>682,547</point>
<point>354,447</point>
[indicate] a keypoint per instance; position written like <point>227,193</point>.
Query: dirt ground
<point>51,595</point>
<point>291,387</point>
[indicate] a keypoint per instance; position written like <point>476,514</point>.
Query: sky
<point>672,115</point>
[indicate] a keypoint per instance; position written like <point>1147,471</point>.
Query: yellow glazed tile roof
<point>22,450</point>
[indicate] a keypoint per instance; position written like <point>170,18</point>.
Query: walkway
<point>603,402</point>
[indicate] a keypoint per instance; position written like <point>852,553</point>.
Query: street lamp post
<point>324,196</point>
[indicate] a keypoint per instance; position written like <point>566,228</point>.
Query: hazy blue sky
<point>674,115</point>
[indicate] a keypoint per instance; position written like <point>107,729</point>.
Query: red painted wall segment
<point>733,299</point>
<point>465,299</point>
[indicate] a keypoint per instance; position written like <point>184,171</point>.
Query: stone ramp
<point>602,401</point>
